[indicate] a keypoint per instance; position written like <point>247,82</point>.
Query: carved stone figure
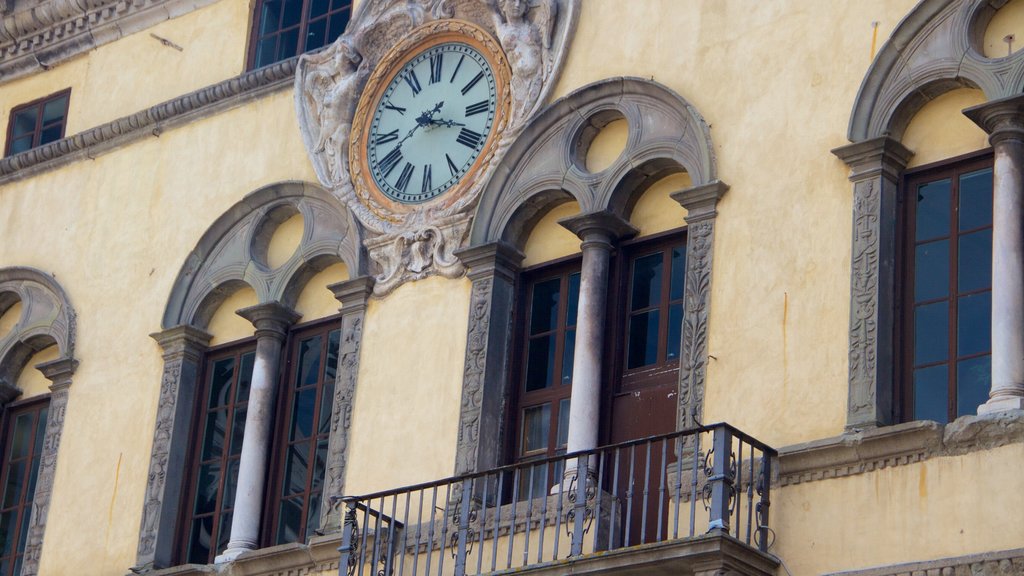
<point>527,45</point>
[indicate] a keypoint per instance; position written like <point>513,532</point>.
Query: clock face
<point>431,122</point>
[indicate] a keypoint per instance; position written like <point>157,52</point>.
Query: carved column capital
<point>494,259</point>
<point>601,229</point>
<point>874,157</point>
<point>1001,119</point>
<point>182,341</point>
<point>353,293</point>
<point>59,372</point>
<point>701,202</point>
<point>271,319</point>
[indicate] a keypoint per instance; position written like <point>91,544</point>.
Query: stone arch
<point>47,319</point>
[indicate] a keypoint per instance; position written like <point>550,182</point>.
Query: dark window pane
<point>540,362</point>
<point>15,482</point>
<point>302,414</point>
<point>536,427</point>
<point>534,482</point>
<point>230,486</point>
<point>568,355</point>
<point>933,210</point>
<point>572,308</point>
<point>326,408</point>
<point>313,515</point>
<point>563,423</point>
<point>296,468</point>
<point>675,331</point>
<point>23,432</point>
<point>23,534</point>
<point>338,22</point>
<point>25,121</point>
<point>316,34</point>
<point>8,529</point>
<point>973,382</point>
<point>245,377</point>
<point>288,44</point>
<point>931,333</point>
<point>643,339</point>
<point>318,8</point>
<point>544,306</point>
<point>214,434</point>
<point>292,13</point>
<point>51,134</point>
<point>678,280</point>
<point>53,111</point>
<point>974,324</point>
<point>290,520</point>
<point>37,449</point>
<point>309,362</point>
<point>237,430</point>
<point>21,144</point>
<point>646,283</point>
<point>220,382</point>
<point>976,199</point>
<point>266,51</point>
<point>270,17</point>
<point>224,531</point>
<point>931,390</point>
<point>199,541</point>
<point>206,489</point>
<point>931,270</point>
<point>320,465</point>
<point>975,268</point>
<point>331,366</point>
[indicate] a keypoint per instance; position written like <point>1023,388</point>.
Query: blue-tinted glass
<point>318,8</point>
<point>313,520</point>
<point>296,468</point>
<point>290,521</point>
<point>973,382</point>
<point>933,210</point>
<point>25,122</point>
<point>224,531</point>
<point>220,382</point>
<point>675,331</point>
<point>572,308</point>
<point>316,34</point>
<point>536,427</point>
<point>643,339</point>
<point>22,144</point>
<point>288,44</point>
<point>230,485</point>
<point>237,430</point>
<point>544,306</point>
<point>53,111</point>
<point>540,361</point>
<point>23,432</point>
<point>326,408</point>
<point>245,377</point>
<point>331,366</point>
<point>931,394</point>
<point>40,431</point>
<point>319,465</point>
<point>302,414</point>
<point>15,482</point>
<point>646,284</point>
<point>207,486</point>
<point>338,22</point>
<point>8,527</point>
<point>266,51</point>
<point>678,280</point>
<point>199,540</point>
<point>309,362</point>
<point>51,134</point>
<point>568,355</point>
<point>976,199</point>
<point>931,333</point>
<point>270,17</point>
<point>931,271</point>
<point>292,13</point>
<point>214,434</point>
<point>22,536</point>
<point>974,324</point>
<point>563,423</point>
<point>975,270</point>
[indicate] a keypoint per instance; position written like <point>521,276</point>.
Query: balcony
<point>690,502</point>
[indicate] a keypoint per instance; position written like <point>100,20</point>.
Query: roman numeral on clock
<point>435,67</point>
<point>477,108</point>
<point>379,139</point>
<point>427,184</point>
<point>398,109</point>
<point>457,66</point>
<point>403,179</point>
<point>390,161</point>
<point>473,82</point>
<point>414,82</point>
<point>469,138</point>
<point>451,165</point>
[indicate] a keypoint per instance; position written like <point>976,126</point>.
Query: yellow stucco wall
<point>1009,20</point>
<point>31,382</point>
<point>940,130</point>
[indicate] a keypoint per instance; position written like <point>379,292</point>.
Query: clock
<point>427,121</point>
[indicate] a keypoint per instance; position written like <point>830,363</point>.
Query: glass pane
<point>973,382</point>
<point>213,437</point>
<point>288,44</point>
<point>316,34</point>
<point>199,541</point>
<point>534,483</point>
<point>933,210</point>
<point>25,121</point>
<point>313,515</point>
<point>270,17</point>
<point>23,432</point>
<point>319,465</point>
<point>338,22</point>
<point>568,356</point>
<point>53,111</point>
<point>266,51</point>
<point>540,362</point>
<point>975,268</point>
<point>230,484</point>
<point>646,283</point>
<point>572,309</point>
<point>675,331</point>
<point>207,486</point>
<point>976,199</point>
<point>8,526</point>
<point>26,515</point>
<point>544,306</point>
<point>296,468</point>
<point>931,333</point>
<point>290,521</point>
<point>643,339</point>
<point>245,377</point>
<point>326,408</point>
<point>302,414</point>
<point>37,449</point>
<point>33,474</point>
<point>931,393</point>
<point>974,324</point>
<point>318,8</point>
<point>931,270</point>
<point>309,362</point>
<point>224,531</point>
<point>15,482</point>
<point>220,382</point>
<point>21,144</point>
<point>331,366</point>
<point>678,279</point>
<point>563,423</point>
<point>237,431</point>
<point>292,13</point>
<point>51,134</point>
<point>536,427</point>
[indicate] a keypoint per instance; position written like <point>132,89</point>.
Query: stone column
<point>485,387</point>
<point>599,232</point>
<point>271,321</point>
<point>1004,121</point>
<point>875,169</point>
<point>353,295</point>
<point>59,372</point>
<point>183,348</point>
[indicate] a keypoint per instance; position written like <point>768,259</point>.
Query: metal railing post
<point>721,480</point>
<point>463,534</point>
<point>348,528</point>
<point>764,483</point>
<point>578,495</point>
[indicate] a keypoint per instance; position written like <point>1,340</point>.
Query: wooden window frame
<point>302,27</point>
<point>40,105</point>
<point>36,405</point>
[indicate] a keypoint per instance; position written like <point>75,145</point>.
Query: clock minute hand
<point>445,123</point>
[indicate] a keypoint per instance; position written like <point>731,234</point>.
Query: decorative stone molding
<point>47,319</point>
<point>152,121</point>
<point>875,448</point>
<point>485,387</point>
<point>353,295</point>
<point>875,168</point>
<point>37,35</point>
<point>701,204</point>
<point>1002,563</point>
<point>420,240</point>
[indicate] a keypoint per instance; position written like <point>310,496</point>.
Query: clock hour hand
<point>445,123</point>
<point>427,117</point>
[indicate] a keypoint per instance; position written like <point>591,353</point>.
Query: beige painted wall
<point>940,130</point>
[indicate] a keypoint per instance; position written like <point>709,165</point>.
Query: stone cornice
<point>45,35</point>
<point>152,121</point>
<point>858,452</point>
<point>492,259</point>
<point>353,294</point>
<point>985,564</point>
<point>1000,119</point>
<point>701,202</point>
<point>869,158</point>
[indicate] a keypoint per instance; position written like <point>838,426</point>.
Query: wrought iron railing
<point>662,488</point>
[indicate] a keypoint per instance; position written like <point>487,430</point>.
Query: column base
<point>231,554</point>
<point>1001,404</point>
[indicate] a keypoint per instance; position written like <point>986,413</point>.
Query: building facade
<point>550,286</point>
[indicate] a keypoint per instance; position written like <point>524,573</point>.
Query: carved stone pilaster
<point>59,372</point>
<point>353,295</point>
<point>701,204</point>
<point>485,389</point>
<point>183,348</point>
<point>875,168</point>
